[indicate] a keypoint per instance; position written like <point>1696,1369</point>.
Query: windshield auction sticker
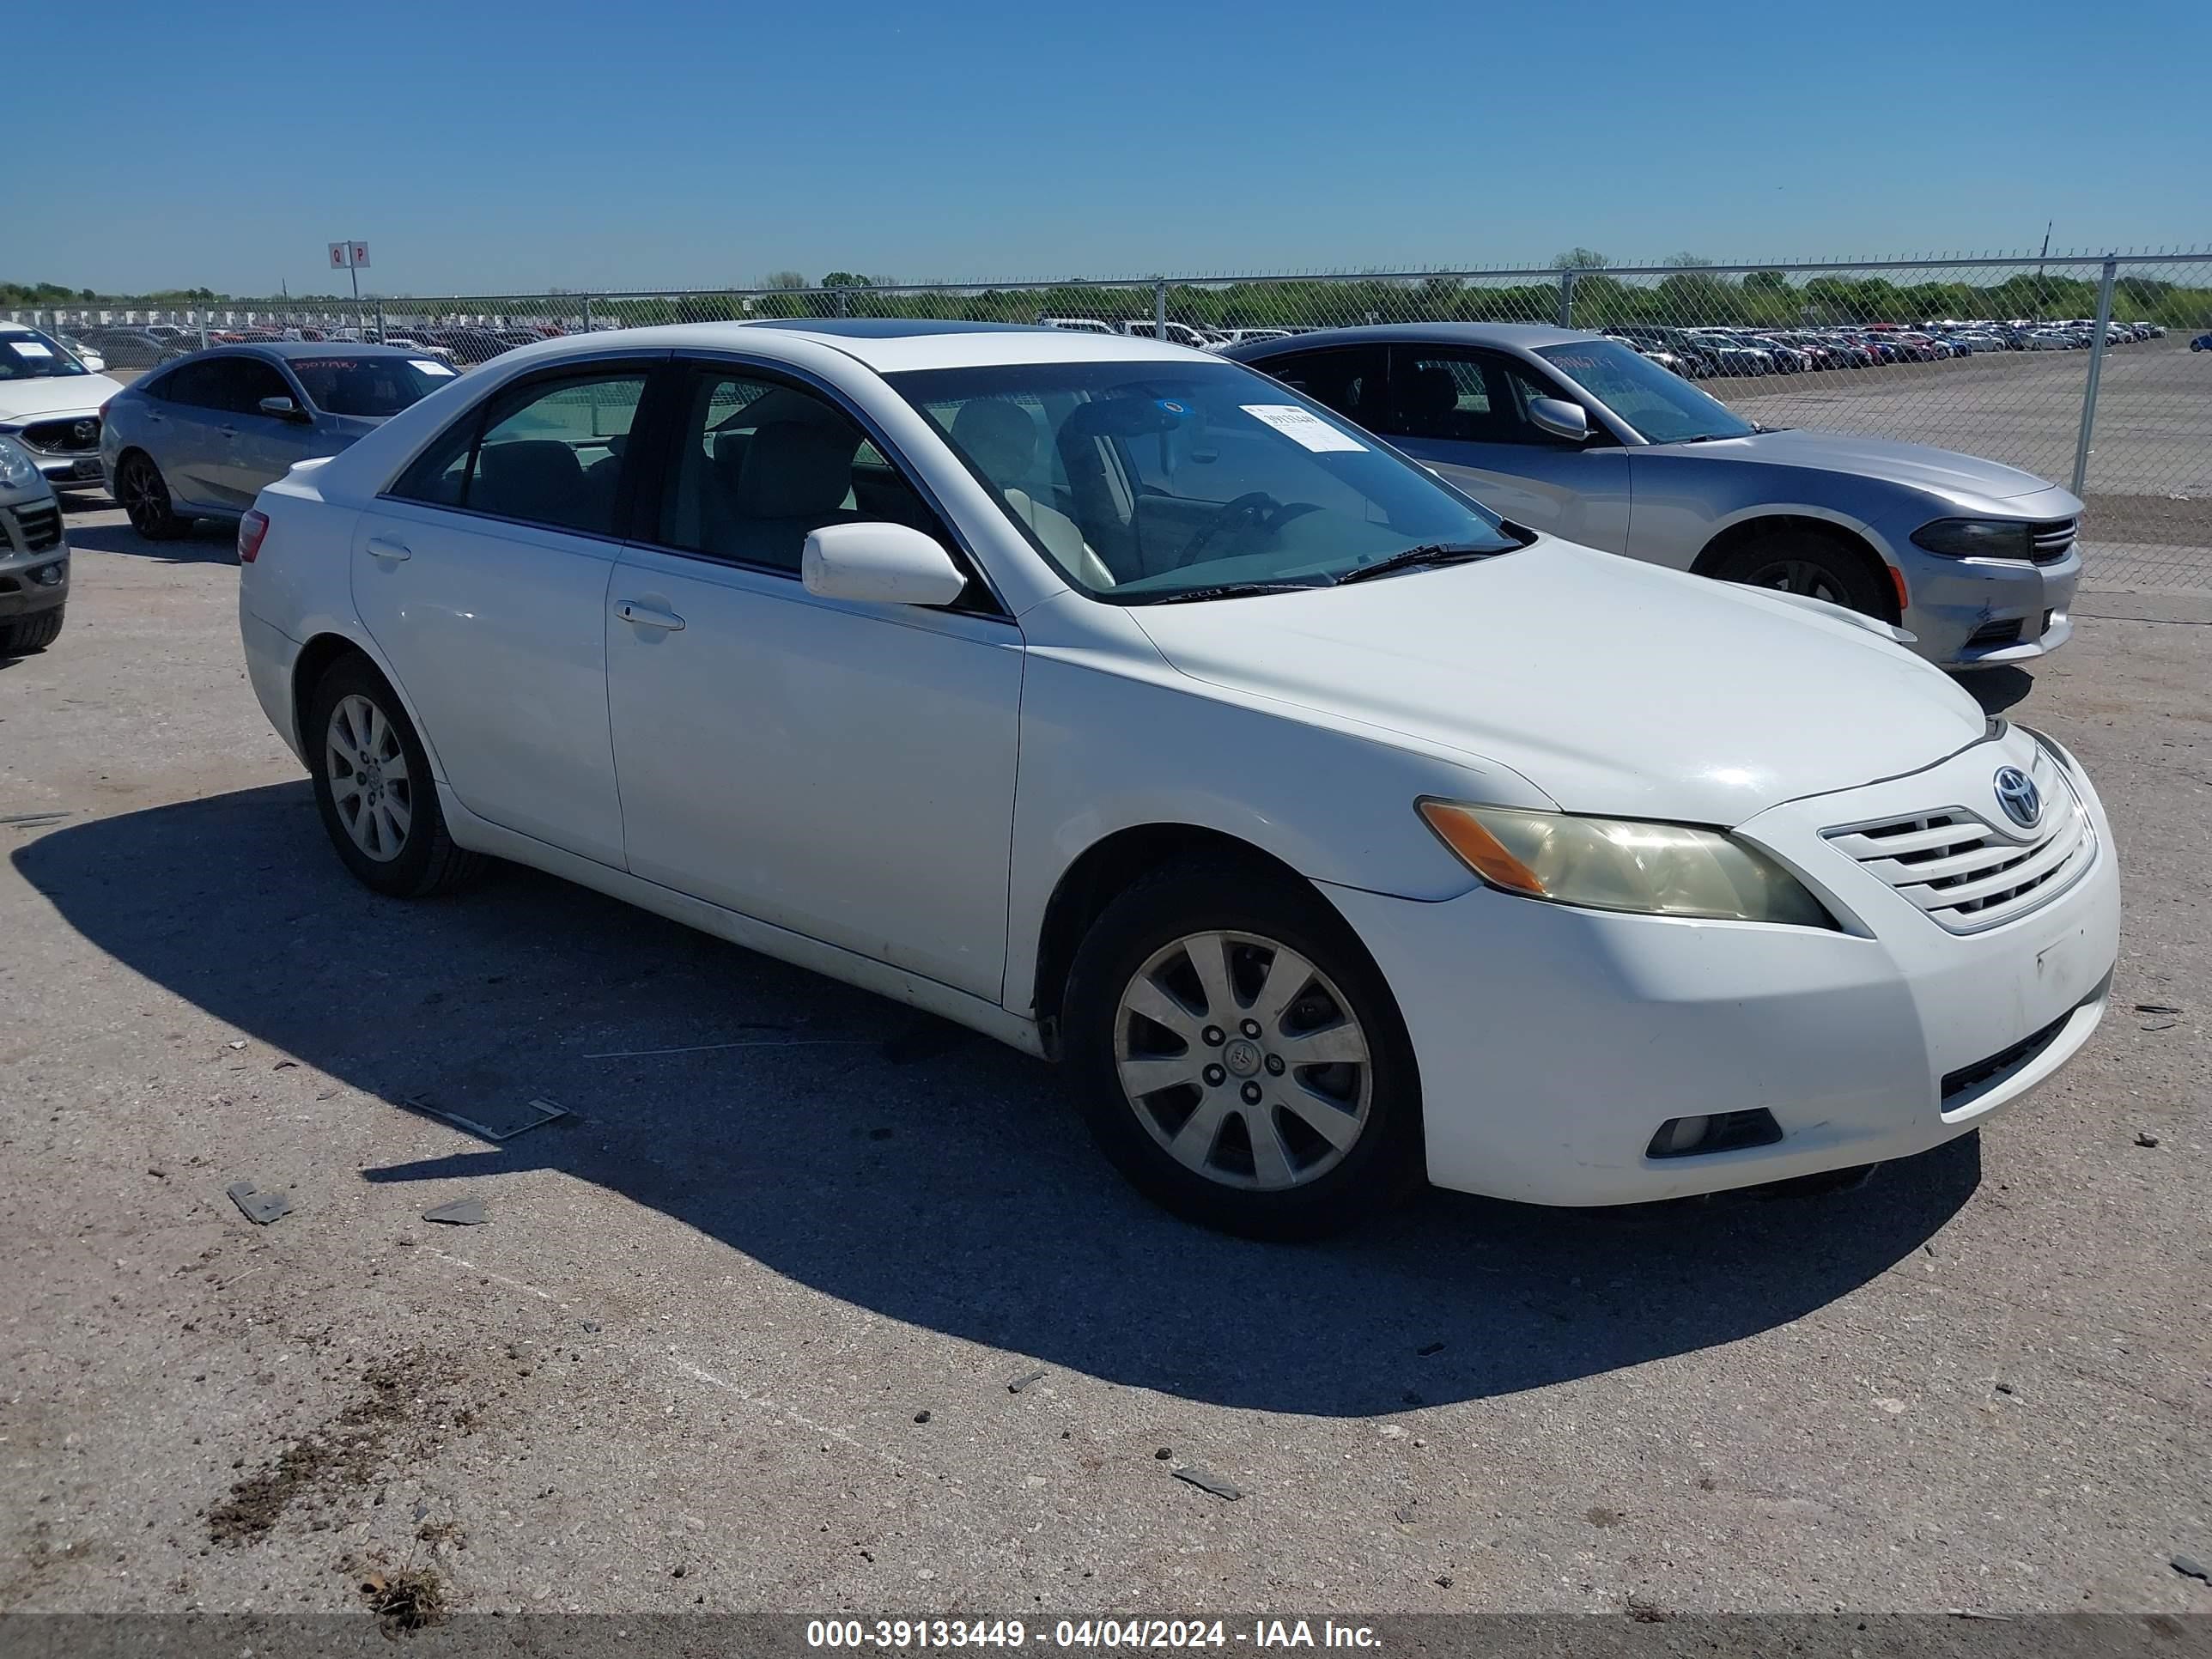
<point>1303,427</point>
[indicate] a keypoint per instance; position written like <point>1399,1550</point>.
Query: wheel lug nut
<point>1211,1036</point>
<point>1215,1077</point>
<point>1251,1092</point>
<point>1250,1028</point>
<point>1274,1065</point>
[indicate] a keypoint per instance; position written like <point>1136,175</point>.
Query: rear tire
<point>1806,562</point>
<point>373,788</point>
<point>24,635</point>
<point>144,495</point>
<point>1301,1112</point>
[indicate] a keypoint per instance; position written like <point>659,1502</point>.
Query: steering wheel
<point>1256,508</point>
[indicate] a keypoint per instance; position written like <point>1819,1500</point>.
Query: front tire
<point>24,634</point>
<point>1805,562</point>
<point>373,788</point>
<point>1239,1057</point>
<point>144,495</point>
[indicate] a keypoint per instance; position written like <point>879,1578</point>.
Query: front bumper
<point>34,565</point>
<point>65,454</point>
<point>1553,1042</point>
<point>1979,613</point>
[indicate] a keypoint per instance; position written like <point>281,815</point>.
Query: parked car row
<point>1696,352</point>
<point>1361,834</point>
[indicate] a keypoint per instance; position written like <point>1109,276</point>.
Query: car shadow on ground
<point>1999,688</point>
<point>207,542</point>
<point>899,1165</point>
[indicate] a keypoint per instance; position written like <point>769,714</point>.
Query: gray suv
<point>33,554</point>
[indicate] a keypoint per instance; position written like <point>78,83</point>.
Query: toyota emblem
<point>2017,793</point>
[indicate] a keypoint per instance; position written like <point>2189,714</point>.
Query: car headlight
<point>17,470</point>
<point>1623,864</point>
<point>1975,538</point>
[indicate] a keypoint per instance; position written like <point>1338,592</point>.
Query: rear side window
<point>1352,380</point>
<point>549,452</point>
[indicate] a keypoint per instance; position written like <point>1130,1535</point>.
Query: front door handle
<point>645,615</point>
<point>383,547</point>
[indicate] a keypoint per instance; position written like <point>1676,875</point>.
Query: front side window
<point>1660,404</point>
<point>245,381</point>
<point>760,465</point>
<point>547,451</point>
<point>1144,481</point>
<point>28,355</point>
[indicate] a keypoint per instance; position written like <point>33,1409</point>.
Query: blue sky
<point>492,147</point>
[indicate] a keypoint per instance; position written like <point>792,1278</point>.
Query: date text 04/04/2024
<point>1088,1634</point>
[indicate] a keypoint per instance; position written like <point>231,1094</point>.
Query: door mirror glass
<point>1559,418</point>
<point>284,408</point>
<point>879,564</point>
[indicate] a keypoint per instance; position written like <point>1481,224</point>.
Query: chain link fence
<point>2085,369</point>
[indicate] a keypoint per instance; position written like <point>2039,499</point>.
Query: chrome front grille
<point>2052,540</point>
<point>79,434</point>
<point>1967,874</point>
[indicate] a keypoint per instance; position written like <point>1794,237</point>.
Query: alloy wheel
<point>1799,576</point>
<point>370,784</point>
<point>1243,1061</point>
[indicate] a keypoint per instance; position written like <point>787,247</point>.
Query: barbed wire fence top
<point>2077,367</point>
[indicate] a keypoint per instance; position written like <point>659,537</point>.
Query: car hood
<point>1614,687</point>
<point>1916,464</point>
<point>59,394</point>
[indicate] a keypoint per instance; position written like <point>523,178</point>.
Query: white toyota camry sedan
<point>1114,701</point>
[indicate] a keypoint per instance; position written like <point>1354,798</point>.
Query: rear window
<point>370,386</point>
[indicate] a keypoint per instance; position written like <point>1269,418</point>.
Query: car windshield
<point>28,355</point>
<point>1144,481</point>
<point>1663,407</point>
<point>372,386</point>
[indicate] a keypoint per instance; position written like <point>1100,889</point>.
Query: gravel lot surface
<point>743,1330</point>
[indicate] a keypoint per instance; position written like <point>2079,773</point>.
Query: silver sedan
<point>1579,435</point>
<point>198,438</point>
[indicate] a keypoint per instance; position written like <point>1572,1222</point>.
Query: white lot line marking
<point>462,1261</point>
<point>709,1048</point>
<point>784,1411</point>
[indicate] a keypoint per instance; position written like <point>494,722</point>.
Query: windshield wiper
<point>1414,558</point>
<point>1233,591</point>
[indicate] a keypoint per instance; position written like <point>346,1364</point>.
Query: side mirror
<point>284,408</point>
<point>879,564</point>
<point>1560,418</point>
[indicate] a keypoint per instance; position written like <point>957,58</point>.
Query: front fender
<point>1107,745</point>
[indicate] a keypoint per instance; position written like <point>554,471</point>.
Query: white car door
<point>844,770</point>
<point>483,575</point>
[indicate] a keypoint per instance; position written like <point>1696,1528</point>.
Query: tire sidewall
<point>410,873</point>
<point>162,523</point>
<point>1387,1160</point>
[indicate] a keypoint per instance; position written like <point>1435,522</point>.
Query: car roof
<point>1519,337</point>
<point>887,345</point>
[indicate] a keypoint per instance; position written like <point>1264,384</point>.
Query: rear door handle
<point>645,615</point>
<point>227,431</point>
<point>383,547</point>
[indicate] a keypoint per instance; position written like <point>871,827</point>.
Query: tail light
<point>104,408</point>
<point>251,529</point>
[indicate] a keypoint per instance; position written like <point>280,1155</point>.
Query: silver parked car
<point>33,554</point>
<point>199,438</point>
<point>1579,435</point>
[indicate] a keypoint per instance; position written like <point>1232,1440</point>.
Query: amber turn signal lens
<point>1462,832</point>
